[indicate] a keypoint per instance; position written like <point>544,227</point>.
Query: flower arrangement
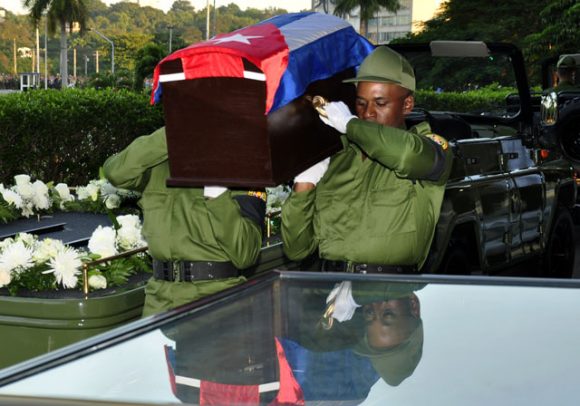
<point>26,198</point>
<point>27,262</point>
<point>276,198</point>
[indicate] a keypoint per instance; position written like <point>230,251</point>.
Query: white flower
<point>97,282</point>
<point>129,234</point>
<point>64,192</point>
<point>112,201</point>
<point>66,267</point>
<point>5,243</point>
<point>47,249</point>
<point>102,242</point>
<point>22,179</point>
<point>12,198</point>
<point>93,191</point>
<point>27,209</point>
<point>28,239</point>
<point>25,190</point>
<point>5,277</point>
<point>40,197</point>
<point>107,188</point>
<point>16,257</point>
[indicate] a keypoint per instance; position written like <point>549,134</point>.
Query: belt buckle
<point>360,268</point>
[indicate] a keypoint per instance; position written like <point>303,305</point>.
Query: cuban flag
<point>290,50</point>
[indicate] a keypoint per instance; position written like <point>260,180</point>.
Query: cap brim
<point>371,79</point>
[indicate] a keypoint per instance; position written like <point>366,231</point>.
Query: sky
<point>15,6</point>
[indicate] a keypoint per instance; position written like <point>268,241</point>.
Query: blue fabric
<point>332,375</point>
<point>319,60</point>
<point>285,19</point>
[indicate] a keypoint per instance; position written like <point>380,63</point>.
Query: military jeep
<point>510,195</point>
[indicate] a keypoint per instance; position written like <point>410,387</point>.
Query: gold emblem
<point>439,140</point>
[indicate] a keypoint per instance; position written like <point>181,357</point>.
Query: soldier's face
<point>391,322</point>
<point>383,103</point>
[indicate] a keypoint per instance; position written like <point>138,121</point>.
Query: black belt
<point>355,267</point>
<point>189,271</point>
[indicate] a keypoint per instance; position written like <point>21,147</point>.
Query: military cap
<point>384,65</point>
<point>566,61</point>
<point>394,364</point>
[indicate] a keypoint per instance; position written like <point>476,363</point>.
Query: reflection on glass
<point>549,108</point>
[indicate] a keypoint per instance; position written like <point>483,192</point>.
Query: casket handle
<point>318,102</point>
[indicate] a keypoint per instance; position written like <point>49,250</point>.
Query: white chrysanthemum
<point>112,201</point>
<point>93,191</point>
<point>5,277</point>
<point>25,190</point>
<point>64,192</point>
<point>5,243</point>
<point>13,198</point>
<point>22,179</point>
<point>16,257</point>
<point>82,193</point>
<point>276,197</point>
<point>47,249</point>
<point>27,209</point>
<point>97,282</point>
<point>102,242</point>
<point>28,239</point>
<point>40,198</point>
<point>129,234</point>
<point>66,266</point>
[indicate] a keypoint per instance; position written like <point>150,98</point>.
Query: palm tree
<point>62,14</point>
<point>368,9</point>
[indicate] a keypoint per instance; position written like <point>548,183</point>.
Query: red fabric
<point>290,392</point>
<point>212,393</point>
<point>218,57</point>
<point>170,369</point>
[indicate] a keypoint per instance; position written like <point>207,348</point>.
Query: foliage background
<point>65,136</point>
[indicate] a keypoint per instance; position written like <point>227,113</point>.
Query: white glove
<point>213,191</point>
<point>338,116</point>
<point>314,173</point>
<point>344,304</point>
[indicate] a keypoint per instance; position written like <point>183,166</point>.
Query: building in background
<point>387,26</point>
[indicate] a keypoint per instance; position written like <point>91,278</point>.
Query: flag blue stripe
<point>320,60</point>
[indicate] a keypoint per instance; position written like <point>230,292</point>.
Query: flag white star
<point>244,39</point>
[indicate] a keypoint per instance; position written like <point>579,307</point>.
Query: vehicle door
<point>494,190</point>
<point>526,198</point>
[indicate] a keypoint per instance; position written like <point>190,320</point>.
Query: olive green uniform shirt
<point>380,210</point>
<point>180,223</point>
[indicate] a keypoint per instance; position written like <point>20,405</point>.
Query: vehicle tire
<point>456,260</point>
<point>558,261</point>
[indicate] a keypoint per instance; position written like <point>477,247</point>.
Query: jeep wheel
<point>558,259</point>
<point>456,260</point>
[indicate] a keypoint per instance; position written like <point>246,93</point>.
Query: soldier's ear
<point>408,104</point>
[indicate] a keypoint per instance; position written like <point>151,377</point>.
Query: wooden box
<point>218,134</point>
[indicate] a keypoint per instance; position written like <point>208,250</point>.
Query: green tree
<point>368,9</point>
<point>62,14</point>
<point>558,33</point>
<point>145,61</point>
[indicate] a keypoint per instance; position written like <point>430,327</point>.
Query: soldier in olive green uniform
<point>567,71</point>
<point>199,237</point>
<point>374,206</point>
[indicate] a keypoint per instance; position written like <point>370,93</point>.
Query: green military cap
<point>566,61</point>
<point>384,65</point>
<point>394,364</point>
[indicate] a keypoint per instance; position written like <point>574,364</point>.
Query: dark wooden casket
<point>218,134</point>
<point>255,127</point>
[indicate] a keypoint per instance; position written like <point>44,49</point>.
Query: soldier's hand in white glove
<point>344,304</point>
<point>338,116</point>
<point>213,191</point>
<point>314,173</point>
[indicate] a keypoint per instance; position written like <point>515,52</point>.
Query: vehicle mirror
<point>549,109</point>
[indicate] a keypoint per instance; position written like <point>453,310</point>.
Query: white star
<point>237,38</point>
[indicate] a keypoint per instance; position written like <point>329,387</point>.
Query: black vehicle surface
<point>507,200</point>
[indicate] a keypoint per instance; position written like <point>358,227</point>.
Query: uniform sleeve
<point>297,226</point>
<point>239,236</point>
<point>129,168</point>
<point>409,154</point>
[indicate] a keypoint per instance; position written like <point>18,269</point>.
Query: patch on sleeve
<point>439,140</point>
<point>258,194</point>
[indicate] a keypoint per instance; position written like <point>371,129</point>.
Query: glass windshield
<point>305,339</point>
